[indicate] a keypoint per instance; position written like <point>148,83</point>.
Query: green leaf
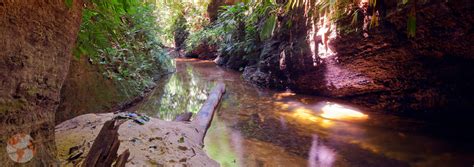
<point>355,17</point>
<point>268,27</point>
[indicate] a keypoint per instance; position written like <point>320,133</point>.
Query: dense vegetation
<point>180,16</point>
<point>241,28</point>
<point>122,38</point>
<point>126,38</point>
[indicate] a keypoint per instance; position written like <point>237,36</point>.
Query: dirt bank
<point>36,41</point>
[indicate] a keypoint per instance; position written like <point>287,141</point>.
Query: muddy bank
<point>157,142</point>
<point>87,90</point>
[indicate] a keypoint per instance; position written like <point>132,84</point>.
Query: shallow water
<point>260,127</point>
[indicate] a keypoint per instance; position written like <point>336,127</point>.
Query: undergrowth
<point>242,27</point>
<point>121,37</point>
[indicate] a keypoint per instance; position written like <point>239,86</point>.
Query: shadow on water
<point>259,127</point>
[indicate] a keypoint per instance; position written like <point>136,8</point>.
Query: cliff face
<point>36,41</point>
<point>383,69</point>
<point>388,71</point>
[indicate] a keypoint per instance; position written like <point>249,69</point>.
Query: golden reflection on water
<point>304,114</point>
<point>367,146</point>
<point>322,113</point>
<point>283,106</point>
<point>339,112</point>
<point>282,95</point>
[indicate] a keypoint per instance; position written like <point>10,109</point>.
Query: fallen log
<point>206,113</point>
<point>104,149</point>
<point>185,117</point>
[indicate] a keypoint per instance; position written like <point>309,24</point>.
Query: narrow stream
<point>259,127</point>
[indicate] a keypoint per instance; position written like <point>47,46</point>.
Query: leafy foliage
<point>174,11</point>
<point>256,20</point>
<point>240,28</point>
<point>120,36</point>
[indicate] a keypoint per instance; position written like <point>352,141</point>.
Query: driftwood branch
<point>204,116</point>
<point>104,150</point>
<point>122,159</point>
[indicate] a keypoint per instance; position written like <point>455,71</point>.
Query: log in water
<point>204,117</point>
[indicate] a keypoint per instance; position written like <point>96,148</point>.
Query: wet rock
<point>253,75</point>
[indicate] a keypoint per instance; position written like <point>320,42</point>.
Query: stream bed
<point>261,127</point>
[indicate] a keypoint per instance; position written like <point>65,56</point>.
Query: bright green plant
<point>170,11</point>
<point>120,36</point>
<point>240,28</point>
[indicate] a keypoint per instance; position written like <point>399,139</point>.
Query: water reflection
<point>176,94</point>
<point>340,112</point>
<point>226,144</point>
<point>258,127</point>
<point>230,148</point>
<point>320,155</point>
<point>325,110</point>
<point>307,115</point>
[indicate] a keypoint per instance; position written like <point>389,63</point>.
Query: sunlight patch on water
<point>339,112</point>
<point>305,114</point>
<point>322,113</point>
<point>282,95</point>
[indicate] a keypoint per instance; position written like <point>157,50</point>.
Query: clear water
<point>260,127</point>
